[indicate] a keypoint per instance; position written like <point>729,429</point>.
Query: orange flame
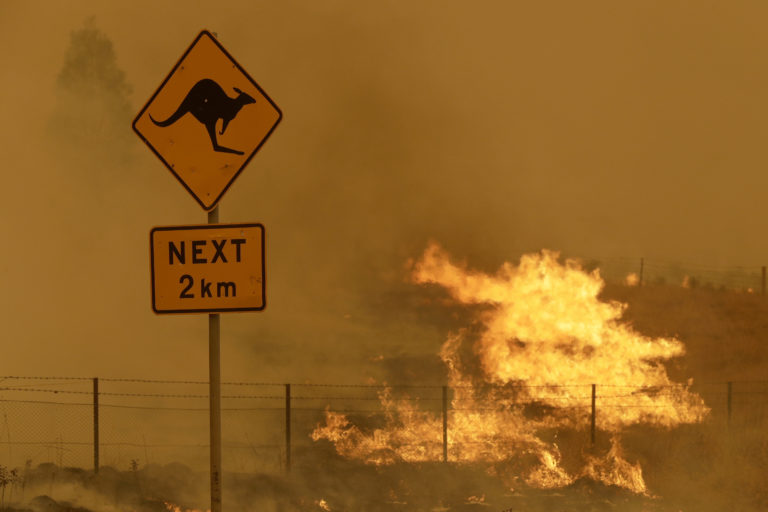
<point>546,338</point>
<point>614,470</point>
<point>172,507</point>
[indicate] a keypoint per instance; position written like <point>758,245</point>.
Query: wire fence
<point>139,422</point>
<point>648,271</point>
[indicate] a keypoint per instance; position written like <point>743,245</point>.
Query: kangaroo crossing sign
<point>207,120</point>
<point>207,268</point>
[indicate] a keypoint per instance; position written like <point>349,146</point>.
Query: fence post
<point>445,423</point>
<point>762,282</point>
<point>592,427</point>
<point>640,280</point>
<point>96,425</point>
<point>288,428</point>
<point>730,401</point>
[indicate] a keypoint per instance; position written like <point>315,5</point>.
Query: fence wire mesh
<point>633,270</point>
<point>144,422</point>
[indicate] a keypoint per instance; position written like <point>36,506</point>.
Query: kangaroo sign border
<point>208,268</point>
<point>208,149</point>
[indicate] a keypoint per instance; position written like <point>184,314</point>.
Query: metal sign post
<point>214,392</point>
<point>205,122</point>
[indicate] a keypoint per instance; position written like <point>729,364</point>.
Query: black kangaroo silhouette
<point>208,102</point>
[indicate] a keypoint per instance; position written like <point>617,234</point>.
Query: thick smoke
<point>596,129</point>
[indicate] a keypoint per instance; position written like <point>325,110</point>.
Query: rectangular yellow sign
<point>207,268</point>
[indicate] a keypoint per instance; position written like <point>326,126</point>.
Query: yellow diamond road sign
<point>207,120</point>
<point>207,268</point>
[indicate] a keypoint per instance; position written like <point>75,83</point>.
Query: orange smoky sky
<point>595,128</point>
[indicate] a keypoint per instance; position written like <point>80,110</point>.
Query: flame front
<point>546,337</point>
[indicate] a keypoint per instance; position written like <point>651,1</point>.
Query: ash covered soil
<point>340,486</point>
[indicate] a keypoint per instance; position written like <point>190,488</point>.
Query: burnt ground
<point>696,468</point>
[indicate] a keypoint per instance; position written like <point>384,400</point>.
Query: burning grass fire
<point>545,337</point>
<point>172,507</point>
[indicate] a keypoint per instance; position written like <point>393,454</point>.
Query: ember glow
<point>172,507</point>
<point>545,338</point>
